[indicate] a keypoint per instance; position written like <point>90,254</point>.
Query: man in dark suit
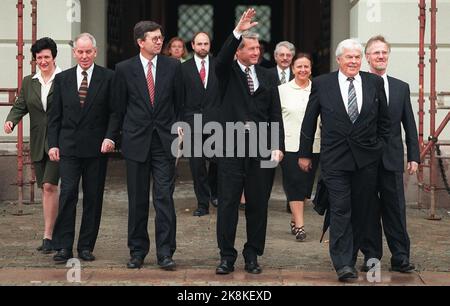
<point>147,93</point>
<point>284,53</point>
<point>81,129</point>
<point>246,97</point>
<point>201,98</point>
<point>355,128</point>
<point>390,203</point>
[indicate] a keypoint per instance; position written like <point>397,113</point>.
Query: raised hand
<point>246,23</point>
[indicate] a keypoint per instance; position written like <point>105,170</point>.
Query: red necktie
<point>151,83</point>
<point>203,72</point>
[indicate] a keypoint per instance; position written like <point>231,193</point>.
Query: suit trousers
<point>389,206</point>
<point>162,169</point>
<point>92,172</point>
<point>205,180</point>
<point>235,175</point>
<point>350,194</point>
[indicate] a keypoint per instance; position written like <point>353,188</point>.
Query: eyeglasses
<point>155,39</point>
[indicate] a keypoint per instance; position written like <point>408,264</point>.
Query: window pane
<point>194,18</point>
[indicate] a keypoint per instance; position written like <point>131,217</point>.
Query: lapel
<point>95,84</point>
<point>196,76</point>
<point>141,82</point>
<point>335,95</point>
<point>161,74</point>
<point>72,89</point>
<point>36,86</point>
<point>211,77</point>
<point>393,96</point>
<point>368,97</point>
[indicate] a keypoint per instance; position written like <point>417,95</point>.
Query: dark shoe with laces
<point>404,268</point>
<point>225,267</point>
<point>86,255</point>
<point>62,256</point>
<point>199,212</point>
<point>135,262</point>
<point>167,263</point>
<point>46,247</point>
<point>252,267</point>
<point>347,273</point>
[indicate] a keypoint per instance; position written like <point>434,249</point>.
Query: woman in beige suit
<point>35,99</point>
<point>297,184</point>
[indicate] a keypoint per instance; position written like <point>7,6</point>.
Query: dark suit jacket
<point>275,71</point>
<point>78,131</point>
<point>197,99</point>
<point>237,104</point>
<point>29,101</point>
<point>138,119</point>
<point>346,146</point>
<point>401,112</point>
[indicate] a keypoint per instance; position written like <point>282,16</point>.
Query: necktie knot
<point>350,79</point>
<point>84,73</point>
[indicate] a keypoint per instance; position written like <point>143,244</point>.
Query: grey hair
<point>248,35</point>
<point>84,35</point>
<point>350,44</point>
<point>285,44</point>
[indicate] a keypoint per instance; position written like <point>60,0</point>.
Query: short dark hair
<point>201,32</point>
<point>142,27</point>
<point>43,44</point>
<point>302,55</point>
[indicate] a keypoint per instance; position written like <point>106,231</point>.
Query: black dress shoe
<point>252,267</point>
<point>62,256</point>
<point>347,273</point>
<point>200,212</point>
<point>215,202</point>
<point>365,267</point>
<point>46,247</point>
<point>225,267</point>
<point>167,263</point>
<point>135,262</point>
<point>404,268</point>
<point>86,255</point>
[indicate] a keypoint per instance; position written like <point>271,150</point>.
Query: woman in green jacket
<point>36,99</point>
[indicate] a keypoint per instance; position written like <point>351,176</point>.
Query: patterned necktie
<point>203,72</point>
<point>283,77</point>
<point>251,86</point>
<point>151,83</point>
<point>83,90</point>
<point>353,112</point>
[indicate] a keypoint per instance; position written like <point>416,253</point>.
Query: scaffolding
<point>429,148</point>
<point>23,152</point>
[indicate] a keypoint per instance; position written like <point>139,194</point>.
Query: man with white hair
<point>355,127</point>
<point>284,53</point>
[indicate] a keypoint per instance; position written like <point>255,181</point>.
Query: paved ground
<point>285,262</point>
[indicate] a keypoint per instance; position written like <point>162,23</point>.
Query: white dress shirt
<point>294,100</point>
<point>45,87</point>
<point>386,86</point>
<point>198,63</point>
<point>80,76</point>
<point>344,84</point>
<point>145,62</point>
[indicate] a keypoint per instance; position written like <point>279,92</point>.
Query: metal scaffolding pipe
<point>20,44</point>
<point>421,101</point>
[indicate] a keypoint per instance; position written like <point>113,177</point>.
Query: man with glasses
<point>147,95</point>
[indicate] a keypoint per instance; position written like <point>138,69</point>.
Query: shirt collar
<point>199,60</point>
<point>343,77</point>
<point>89,71</point>
<point>294,85</point>
<point>145,61</point>
<point>38,75</point>
<point>287,70</point>
<point>243,67</point>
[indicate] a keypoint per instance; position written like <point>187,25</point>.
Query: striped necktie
<point>151,83</point>
<point>283,77</point>
<point>83,90</point>
<point>353,112</point>
<point>251,85</point>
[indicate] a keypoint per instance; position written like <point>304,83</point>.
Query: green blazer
<point>29,101</point>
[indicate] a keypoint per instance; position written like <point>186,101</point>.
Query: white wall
<point>398,21</point>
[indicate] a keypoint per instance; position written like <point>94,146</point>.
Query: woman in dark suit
<point>36,99</point>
